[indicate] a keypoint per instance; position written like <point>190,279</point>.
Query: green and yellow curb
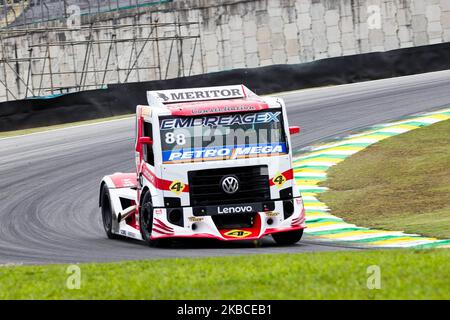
<point>310,169</point>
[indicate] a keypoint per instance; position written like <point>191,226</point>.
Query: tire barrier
<point>310,169</point>
<point>119,99</point>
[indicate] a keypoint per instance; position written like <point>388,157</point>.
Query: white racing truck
<point>211,162</point>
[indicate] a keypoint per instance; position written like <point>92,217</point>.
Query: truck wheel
<point>287,238</point>
<point>146,222</point>
<point>107,213</point>
<point>146,218</point>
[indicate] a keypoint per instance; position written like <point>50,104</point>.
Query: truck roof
<point>207,100</point>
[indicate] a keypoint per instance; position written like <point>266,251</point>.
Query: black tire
<point>146,222</point>
<point>107,213</point>
<point>288,238</point>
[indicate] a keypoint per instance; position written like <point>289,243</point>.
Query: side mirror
<point>294,130</point>
<point>145,140</point>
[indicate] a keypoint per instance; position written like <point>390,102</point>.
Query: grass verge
<point>14,133</point>
<point>328,275</point>
<point>401,183</point>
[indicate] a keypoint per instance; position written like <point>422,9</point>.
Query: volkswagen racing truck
<point>211,162</point>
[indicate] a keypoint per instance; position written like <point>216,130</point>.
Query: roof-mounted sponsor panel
<point>198,94</point>
<point>215,107</point>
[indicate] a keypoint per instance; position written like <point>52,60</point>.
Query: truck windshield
<point>222,137</point>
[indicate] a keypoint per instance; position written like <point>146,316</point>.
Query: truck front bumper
<point>229,222</point>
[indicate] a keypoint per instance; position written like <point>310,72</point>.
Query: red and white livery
<point>211,162</point>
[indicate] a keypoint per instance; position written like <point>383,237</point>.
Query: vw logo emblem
<point>230,184</point>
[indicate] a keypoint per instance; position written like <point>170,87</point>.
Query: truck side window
<point>148,150</point>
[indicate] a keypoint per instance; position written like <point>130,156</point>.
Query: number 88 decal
<point>179,139</point>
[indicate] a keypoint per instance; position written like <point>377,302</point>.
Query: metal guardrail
<point>20,13</point>
<point>48,60</point>
<point>40,59</point>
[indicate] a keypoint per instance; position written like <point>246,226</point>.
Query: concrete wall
<point>241,33</point>
<point>258,33</point>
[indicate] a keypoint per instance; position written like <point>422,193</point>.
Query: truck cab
<point>211,162</point>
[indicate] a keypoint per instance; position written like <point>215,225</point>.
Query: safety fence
<point>21,13</point>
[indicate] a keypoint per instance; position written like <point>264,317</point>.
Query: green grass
<point>401,183</point>
<point>405,274</point>
<point>14,133</point>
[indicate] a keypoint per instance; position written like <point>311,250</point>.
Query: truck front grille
<point>205,185</point>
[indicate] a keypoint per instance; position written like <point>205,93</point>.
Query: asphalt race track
<point>49,181</point>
